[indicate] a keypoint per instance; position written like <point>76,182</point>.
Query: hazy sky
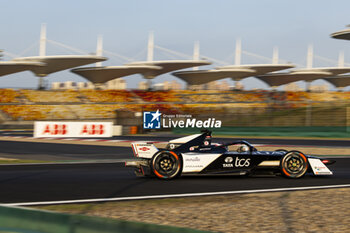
<point>261,24</point>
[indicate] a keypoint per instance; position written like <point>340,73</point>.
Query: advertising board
<point>61,129</point>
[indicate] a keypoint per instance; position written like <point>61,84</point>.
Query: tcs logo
<point>56,129</point>
<point>92,129</point>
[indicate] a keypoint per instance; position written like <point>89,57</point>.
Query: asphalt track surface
<point>37,183</point>
<point>29,183</point>
<point>61,152</point>
<point>73,152</point>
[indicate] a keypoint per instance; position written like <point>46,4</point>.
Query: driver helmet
<point>243,148</point>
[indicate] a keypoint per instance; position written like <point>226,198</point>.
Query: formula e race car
<point>195,154</point>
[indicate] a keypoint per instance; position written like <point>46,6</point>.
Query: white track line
<point>175,195</point>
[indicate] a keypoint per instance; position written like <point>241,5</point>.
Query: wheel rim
<point>294,164</point>
<point>166,165</point>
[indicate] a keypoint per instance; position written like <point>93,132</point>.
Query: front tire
<point>166,165</point>
<point>294,164</point>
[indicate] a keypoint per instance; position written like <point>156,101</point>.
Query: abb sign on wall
<point>72,129</point>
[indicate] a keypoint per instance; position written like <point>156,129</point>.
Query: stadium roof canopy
<point>10,67</point>
<point>167,66</point>
<point>343,34</point>
<point>260,69</point>
<point>106,73</point>
<point>58,63</point>
<point>197,77</point>
<point>236,72</point>
<point>308,75</point>
<point>340,81</point>
<point>278,79</point>
<point>333,70</point>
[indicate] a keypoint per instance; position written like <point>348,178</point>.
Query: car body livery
<point>195,154</point>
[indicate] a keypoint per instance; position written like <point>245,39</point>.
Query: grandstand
<point>233,107</point>
<point>66,96</point>
<point>107,96</point>
<point>9,96</point>
<point>158,96</point>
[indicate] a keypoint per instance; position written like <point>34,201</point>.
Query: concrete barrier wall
<point>13,219</point>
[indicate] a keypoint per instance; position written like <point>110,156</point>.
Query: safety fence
<point>17,219</point>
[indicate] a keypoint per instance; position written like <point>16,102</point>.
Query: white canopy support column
<point>150,47</point>
<point>238,55</point>
<point>341,60</point>
<point>42,47</point>
<point>275,55</point>
<point>238,52</point>
<point>99,49</point>
<point>309,61</point>
<point>150,50</point>
<point>42,53</point>
<point>308,86</point>
<point>196,53</point>
<point>310,55</point>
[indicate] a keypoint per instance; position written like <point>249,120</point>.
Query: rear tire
<point>166,165</point>
<point>294,165</point>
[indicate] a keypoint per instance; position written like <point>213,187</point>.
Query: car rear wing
<point>144,150</point>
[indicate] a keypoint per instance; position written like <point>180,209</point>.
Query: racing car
<point>196,155</point>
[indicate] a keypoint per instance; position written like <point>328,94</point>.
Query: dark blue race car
<point>195,154</point>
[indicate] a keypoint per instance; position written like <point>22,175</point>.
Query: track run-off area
<point>76,173</point>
